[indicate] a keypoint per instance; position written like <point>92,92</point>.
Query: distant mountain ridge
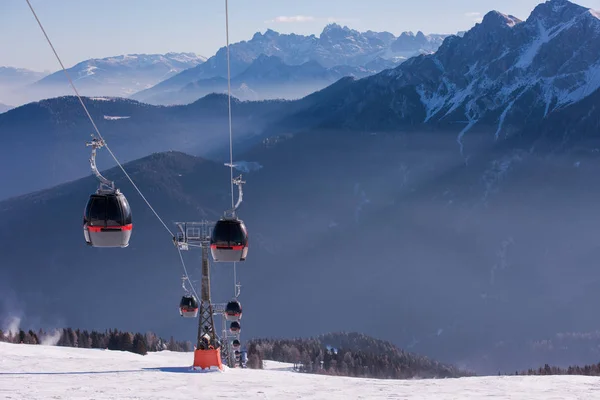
<point>268,77</point>
<point>11,76</point>
<point>13,79</point>
<point>123,75</point>
<point>111,76</point>
<point>335,47</point>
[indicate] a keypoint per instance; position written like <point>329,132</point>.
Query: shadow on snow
<point>179,370</point>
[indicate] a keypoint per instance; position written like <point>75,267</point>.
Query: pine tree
<point>34,337</point>
<point>126,341</point>
<point>113,340</point>
<point>139,345</point>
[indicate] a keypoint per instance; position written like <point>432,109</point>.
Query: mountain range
<point>336,46</point>
<point>115,76</point>
<point>11,76</point>
<point>12,79</point>
<point>504,76</point>
<point>447,205</point>
<point>268,77</point>
<point>339,49</point>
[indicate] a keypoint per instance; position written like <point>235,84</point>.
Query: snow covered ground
<point>48,372</point>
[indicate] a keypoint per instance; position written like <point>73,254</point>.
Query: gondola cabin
<point>107,220</point>
<point>188,307</point>
<point>233,311</point>
<point>236,344</point>
<point>229,240</point>
<point>235,327</point>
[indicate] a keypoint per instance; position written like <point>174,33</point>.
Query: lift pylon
<point>208,346</point>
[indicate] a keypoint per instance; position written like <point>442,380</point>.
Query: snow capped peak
<point>494,19</point>
<point>554,12</point>
<point>120,75</point>
<point>503,66</point>
<point>185,57</point>
<point>269,34</point>
<point>334,31</point>
<point>334,27</point>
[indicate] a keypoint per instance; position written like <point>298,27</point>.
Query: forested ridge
<point>349,354</point>
<point>111,339</point>
<point>588,370</point>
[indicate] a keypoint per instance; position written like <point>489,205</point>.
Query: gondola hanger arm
<point>104,183</point>
<point>238,182</point>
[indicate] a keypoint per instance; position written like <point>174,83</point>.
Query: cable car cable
<point>186,273</point>
<point>104,141</point>
<point>229,100</point>
<point>233,205</point>
<point>92,120</point>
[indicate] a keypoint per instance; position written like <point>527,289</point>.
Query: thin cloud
<point>476,16</point>
<point>293,19</point>
<point>282,19</point>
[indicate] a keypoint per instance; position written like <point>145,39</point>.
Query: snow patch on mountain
<point>111,118</point>
<point>507,61</point>
<point>118,75</point>
<point>247,166</point>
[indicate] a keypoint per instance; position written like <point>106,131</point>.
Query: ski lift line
<point>235,286</point>
<point>186,273</point>
<point>229,102</point>
<point>92,120</point>
<point>104,144</point>
<point>234,205</point>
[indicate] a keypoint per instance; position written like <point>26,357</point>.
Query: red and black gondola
<point>233,310</point>
<point>107,220</point>
<point>188,307</point>
<point>229,240</point>
<point>235,327</point>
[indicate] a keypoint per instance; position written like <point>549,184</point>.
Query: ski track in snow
<point>47,372</point>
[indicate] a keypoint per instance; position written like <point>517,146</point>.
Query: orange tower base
<point>207,358</point>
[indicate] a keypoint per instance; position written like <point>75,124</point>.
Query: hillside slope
<point>40,372</point>
<point>51,134</point>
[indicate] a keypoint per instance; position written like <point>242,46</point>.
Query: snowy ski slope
<point>47,372</point>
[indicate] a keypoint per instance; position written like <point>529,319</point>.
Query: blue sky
<point>82,29</point>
